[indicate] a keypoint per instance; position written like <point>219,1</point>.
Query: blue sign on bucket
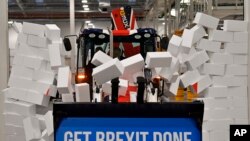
<point>128,129</point>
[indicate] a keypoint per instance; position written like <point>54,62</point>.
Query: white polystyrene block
<point>30,51</point>
<point>174,77</point>
<point>106,87</point>
<point>236,48</point>
<point>44,76</point>
<point>15,137</point>
<point>100,58</point>
<point>213,69</point>
<point>221,58</point>
<point>192,36</point>
<point>205,136</point>
<point>155,72</point>
<point>42,120</point>
<point>221,124</point>
<point>197,59</point>
<point>64,80</point>
<point>11,129</point>
<point>219,91</point>
<point>82,92</point>
<point>63,60</point>
<point>52,32</point>
<point>240,59</point>
<point>239,113</point>
<point>19,107</point>
<point>152,97</point>
<point>198,33</point>
<point>215,114</point>
<point>30,62</point>
<point>187,38</point>
<point>203,83</point>
<point>219,135</point>
<point>37,41</point>
<point>133,96</point>
<point>20,83</point>
<point>241,37</point>
<point>229,81</point>
<point>32,128</point>
<point>174,86</point>
<point>221,36</point>
<point>49,122</point>
<point>206,20</point>
<point>67,98</point>
<point>174,45</point>
<point>236,70</point>
<point>132,65</point>
<point>240,91</point>
<point>34,86</point>
<point>33,29</point>
<point>107,71</point>
<point>46,137</point>
<point>28,96</point>
<point>241,121</point>
<point>22,72</point>
<point>190,77</point>
<point>59,42</point>
<point>55,56</point>
<point>240,102</point>
<point>168,72</point>
<point>41,88</point>
<point>123,85</point>
<point>46,67</point>
<point>158,59</point>
<point>18,27</point>
<point>22,38</point>
<point>18,60</point>
<point>235,25</point>
<point>61,45</point>
<point>208,45</point>
<point>52,91</point>
<point>26,50</point>
<point>192,51</point>
<point>182,57</point>
<point>13,119</point>
<point>184,50</point>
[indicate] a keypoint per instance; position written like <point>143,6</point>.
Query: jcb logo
<point>239,132</point>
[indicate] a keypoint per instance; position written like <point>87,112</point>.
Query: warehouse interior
<point>167,17</point>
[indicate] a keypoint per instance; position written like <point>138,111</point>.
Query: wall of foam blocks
<point>37,56</point>
<point>215,67</point>
<point>226,99</point>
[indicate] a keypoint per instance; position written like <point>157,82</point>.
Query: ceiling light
<point>84,1</point>
<point>85,6</point>
<point>185,1</point>
<point>163,23</point>
<point>10,22</point>
<point>86,9</point>
<point>88,22</point>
